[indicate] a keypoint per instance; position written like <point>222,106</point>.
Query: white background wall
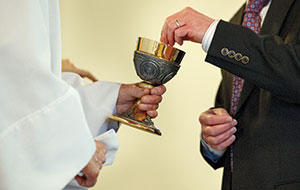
<point>101,36</point>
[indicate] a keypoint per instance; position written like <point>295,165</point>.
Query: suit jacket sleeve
<point>273,64</point>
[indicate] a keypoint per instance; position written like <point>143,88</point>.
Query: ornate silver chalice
<point>156,63</point>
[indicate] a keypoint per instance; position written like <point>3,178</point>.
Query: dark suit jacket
<point>267,147</point>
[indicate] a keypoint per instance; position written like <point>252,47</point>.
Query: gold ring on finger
<point>177,23</point>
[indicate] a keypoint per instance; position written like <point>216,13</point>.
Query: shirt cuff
<point>212,154</point>
<point>209,34</point>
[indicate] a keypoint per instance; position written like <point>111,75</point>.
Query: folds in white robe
<point>45,138</point>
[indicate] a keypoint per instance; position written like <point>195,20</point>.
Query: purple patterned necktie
<point>252,21</point>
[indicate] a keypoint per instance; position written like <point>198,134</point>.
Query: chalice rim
<point>160,50</point>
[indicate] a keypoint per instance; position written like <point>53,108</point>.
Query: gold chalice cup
<point>155,63</point>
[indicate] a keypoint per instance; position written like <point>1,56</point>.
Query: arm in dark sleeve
<point>273,64</point>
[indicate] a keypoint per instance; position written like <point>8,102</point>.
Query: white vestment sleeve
<point>98,100</point>
<point>44,137</point>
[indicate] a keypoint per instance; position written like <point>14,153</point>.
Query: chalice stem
<point>137,118</point>
<point>134,111</point>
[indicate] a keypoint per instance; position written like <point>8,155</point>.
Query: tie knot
<point>255,5</point>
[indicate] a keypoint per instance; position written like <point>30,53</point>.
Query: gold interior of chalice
<point>168,59</point>
<point>160,50</point>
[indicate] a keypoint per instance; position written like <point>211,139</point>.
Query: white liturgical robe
<point>47,126</point>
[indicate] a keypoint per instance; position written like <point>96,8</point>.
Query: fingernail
<point>234,129</point>
<point>234,122</point>
<point>233,137</point>
<point>229,119</point>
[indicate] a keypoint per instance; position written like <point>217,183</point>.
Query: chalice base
<point>150,128</point>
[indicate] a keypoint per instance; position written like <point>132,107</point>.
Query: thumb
<point>220,111</point>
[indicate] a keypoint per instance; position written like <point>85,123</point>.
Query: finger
<point>103,161</point>
<point>158,90</point>
<point>100,159</point>
<point>224,144</point>
<point>100,153</point>
<point>91,177</point>
<point>218,129</point>
<point>163,37</point>
<point>151,99</point>
<point>89,182</point>
<point>79,179</point>
<point>216,140</point>
<point>100,150</point>
<point>66,60</point>
<point>180,34</point>
<point>170,33</point>
<point>136,92</point>
<point>86,182</point>
<point>99,144</point>
<point>166,33</point>
<point>152,113</point>
<point>207,118</point>
<point>88,75</point>
<point>104,151</point>
<point>148,107</point>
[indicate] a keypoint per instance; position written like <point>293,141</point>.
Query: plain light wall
<point>101,36</point>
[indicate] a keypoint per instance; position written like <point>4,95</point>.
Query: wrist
<point>209,34</point>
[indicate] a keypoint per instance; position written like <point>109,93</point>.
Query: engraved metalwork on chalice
<point>155,63</point>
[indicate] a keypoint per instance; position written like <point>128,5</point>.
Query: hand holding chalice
<point>155,63</point>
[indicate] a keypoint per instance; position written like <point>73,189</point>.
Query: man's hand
<point>92,169</point>
<point>193,26</point>
<point>218,128</point>
<point>150,98</point>
<point>68,66</point>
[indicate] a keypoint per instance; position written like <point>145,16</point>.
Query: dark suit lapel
<point>272,24</point>
<point>275,16</point>
<point>238,17</point>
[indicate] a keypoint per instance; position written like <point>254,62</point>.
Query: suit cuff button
<point>238,57</point>
<point>224,51</point>
<point>245,60</point>
<point>231,54</point>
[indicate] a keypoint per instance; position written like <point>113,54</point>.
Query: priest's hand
<point>92,169</point>
<point>68,66</point>
<point>150,98</point>
<point>187,24</point>
<point>218,128</point>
